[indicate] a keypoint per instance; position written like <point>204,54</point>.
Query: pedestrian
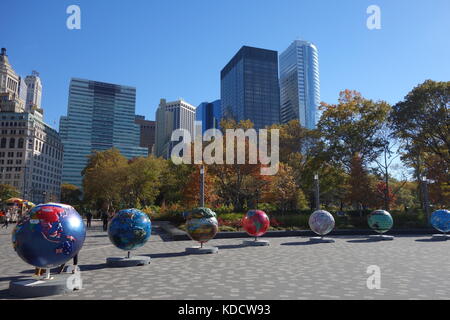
<point>6,221</point>
<point>75,264</point>
<point>105,220</point>
<point>88,219</point>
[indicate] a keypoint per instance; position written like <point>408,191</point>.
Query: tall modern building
<point>300,84</point>
<point>31,152</point>
<point>100,116</point>
<point>147,132</point>
<point>169,117</point>
<point>209,114</point>
<point>250,87</point>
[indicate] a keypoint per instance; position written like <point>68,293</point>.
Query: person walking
<point>105,220</point>
<point>88,219</point>
<point>6,220</point>
<point>75,264</point>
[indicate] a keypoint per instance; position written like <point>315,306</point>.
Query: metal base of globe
<point>57,284</point>
<point>202,250</point>
<point>381,237</point>
<point>322,240</point>
<point>256,243</point>
<point>133,261</point>
<point>441,237</point>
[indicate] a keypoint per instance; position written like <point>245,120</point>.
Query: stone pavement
<point>291,268</point>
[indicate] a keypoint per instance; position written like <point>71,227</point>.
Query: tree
<point>7,192</point>
<point>422,119</point>
<point>351,128</point>
<point>70,194</point>
<point>282,190</point>
<point>103,178</point>
<point>360,190</point>
<point>191,191</point>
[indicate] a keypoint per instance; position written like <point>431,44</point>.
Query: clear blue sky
<point>176,48</point>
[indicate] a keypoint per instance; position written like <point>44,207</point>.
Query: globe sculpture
<point>256,223</point>
<point>201,224</point>
<point>129,229</point>
<point>440,220</point>
<point>380,221</point>
<point>321,222</point>
<point>49,235</point>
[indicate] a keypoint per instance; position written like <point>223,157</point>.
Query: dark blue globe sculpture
<point>130,229</point>
<point>49,235</point>
<point>440,220</point>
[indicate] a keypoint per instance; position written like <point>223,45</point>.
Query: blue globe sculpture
<point>130,229</point>
<point>440,220</point>
<point>49,235</point>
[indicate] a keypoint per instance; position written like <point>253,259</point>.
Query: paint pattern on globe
<point>321,222</point>
<point>49,235</point>
<point>440,220</point>
<point>201,224</point>
<point>256,223</point>
<point>380,221</point>
<point>130,229</point>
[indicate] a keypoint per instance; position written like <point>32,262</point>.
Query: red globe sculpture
<point>256,223</point>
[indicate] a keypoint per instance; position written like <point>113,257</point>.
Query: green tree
<point>7,191</point>
<point>422,119</point>
<point>70,194</point>
<point>351,127</point>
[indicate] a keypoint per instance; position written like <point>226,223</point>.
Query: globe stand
<point>441,237</point>
<point>256,243</point>
<point>128,261</point>
<point>202,250</point>
<point>381,237</point>
<point>46,286</point>
<point>321,239</point>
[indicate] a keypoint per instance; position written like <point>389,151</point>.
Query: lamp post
<point>425,198</point>
<point>202,186</point>
<point>317,191</point>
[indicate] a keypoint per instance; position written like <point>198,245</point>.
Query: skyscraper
<point>169,117</point>
<point>250,88</point>
<point>11,86</point>
<point>147,132</point>
<point>34,91</point>
<point>100,116</point>
<point>209,114</point>
<point>300,84</point>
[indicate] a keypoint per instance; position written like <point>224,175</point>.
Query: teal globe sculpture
<point>130,229</point>
<point>321,222</point>
<point>380,221</point>
<point>440,220</point>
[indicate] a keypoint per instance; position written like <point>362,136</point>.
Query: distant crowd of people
<point>105,217</point>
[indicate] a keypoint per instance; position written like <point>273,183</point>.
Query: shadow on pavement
<point>91,267</point>
<point>306,243</point>
<point>165,255</point>
<point>429,240</point>
<point>231,246</point>
<point>368,240</point>
<point>14,278</point>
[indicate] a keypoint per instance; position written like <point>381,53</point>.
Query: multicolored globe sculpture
<point>256,223</point>
<point>380,221</point>
<point>49,235</point>
<point>440,220</point>
<point>321,222</point>
<point>129,229</point>
<point>201,224</point>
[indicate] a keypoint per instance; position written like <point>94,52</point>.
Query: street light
<point>202,186</point>
<point>425,197</point>
<point>317,190</point>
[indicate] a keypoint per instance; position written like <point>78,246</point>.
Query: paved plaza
<point>291,268</point>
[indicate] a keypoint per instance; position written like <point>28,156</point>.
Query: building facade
<point>209,115</point>
<point>31,152</point>
<point>169,117</point>
<point>100,116</point>
<point>300,83</point>
<point>147,133</point>
<point>250,87</point>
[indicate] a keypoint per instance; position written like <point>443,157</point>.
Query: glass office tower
<point>300,84</point>
<point>100,116</point>
<point>250,88</point>
<point>209,114</point>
